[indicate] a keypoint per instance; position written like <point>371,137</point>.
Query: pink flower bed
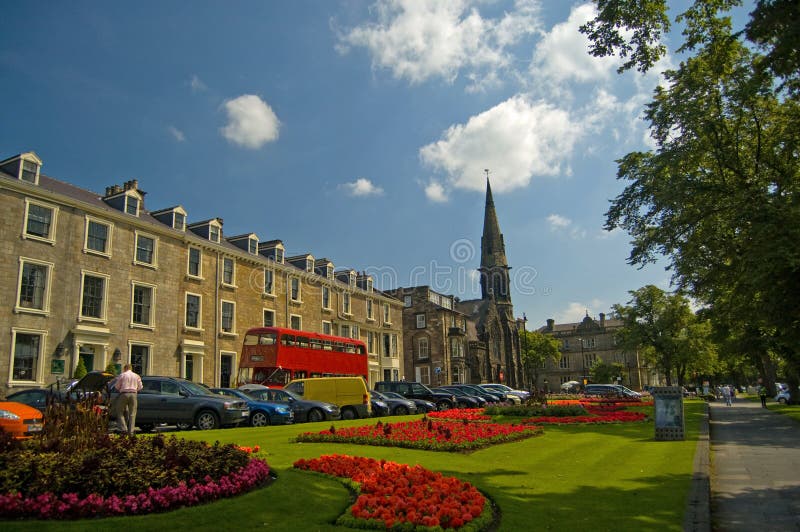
<point>69,506</point>
<point>394,494</point>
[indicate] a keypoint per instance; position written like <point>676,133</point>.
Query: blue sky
<point>353,130</point>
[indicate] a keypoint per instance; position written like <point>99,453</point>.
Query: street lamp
<point>583,364</point>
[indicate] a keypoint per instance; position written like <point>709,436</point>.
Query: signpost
<point>668,402</point>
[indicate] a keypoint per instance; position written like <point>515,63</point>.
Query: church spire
<point>494,266</point>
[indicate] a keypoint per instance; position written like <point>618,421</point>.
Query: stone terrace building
<point>102,279</point>
<point>435,343</point>
<point>582,344</point>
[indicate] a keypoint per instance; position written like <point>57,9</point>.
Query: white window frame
<point>387,314</point>
<point>325,291</point>
<point>344,330</point>
<point>199,326</point>
<point>424,374</point>
<point>38,371</point>
<point>326,328</point>
<point>299,295</point>
<point>394,345</point>
<point>152,313</point>
<point>175,224</point>
<point>128,198</point>
<point>148,370</point>
<point>264,313</point>
<point>370,309</point>
<point>421,320</point>
<point>234,369</point>
<point>222,304</point>
<point>355,331</point>
<point>154,263</point>
<point>309,264</point>
<point>347,304</point>
<point>109,238</point>
<point>33,160</point>
<point>300,321</point>
<point>423,348</point>
<point>407,301</point>
<point>369,285</point>
<point>50,238</point>
<point>563,362</point>
<point>371,341</point>
<point>104,310</point>
<point>199,274</point>
<point>214,233</point>
<point>269,272</point>
<point>232,283</point>
<point>329,271</point>
<point>252,246</point>
<point>45,310</point>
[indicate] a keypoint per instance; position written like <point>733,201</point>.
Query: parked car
<point>262,413</point>
<point>35,397</point>
<point>422,405</point>
<point>304,410</point>
<point>20,420</point>
<point>398,406</point>
<point>463,399</point>
<point>379,407</point>
<point>490,396</point>
<point>170,401</point>
<point>349,393</point>
<point>510,392</point>
<point>610,390</point>
<point>783,396</point>
<point>416,390</point>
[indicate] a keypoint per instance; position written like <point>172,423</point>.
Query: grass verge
<point>606,477</point>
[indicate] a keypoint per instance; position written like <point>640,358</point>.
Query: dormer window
<point>252,246</point>
<point>132,205</point>
<point>279,255</point>
<point>179,221</point>
<point>369,284</point>
<point>24,167</point>
<point>310,265</point>
<point>329,271</point>
<point>352,279</point>
<point>213,233</point>
<point>30,171</point>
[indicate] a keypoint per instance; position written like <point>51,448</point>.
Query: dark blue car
<point>262,413</point>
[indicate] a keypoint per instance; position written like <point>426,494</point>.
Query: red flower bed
<point>70,506</point>
<point>398,495</point>
<point>425,434</point>
<point>461,414</point>
<point>600,417</point>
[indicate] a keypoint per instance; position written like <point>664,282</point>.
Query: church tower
<point>494,266</point>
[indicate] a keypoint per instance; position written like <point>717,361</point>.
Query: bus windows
<point>302,341</point>
<point>265,339</point>
<point>250,339</point>
<point>300,375</point>
<point>327,345</point>
<point>361,350</point>
<point>316,344</point>
<point>338,346</point>
<point>288,339</point>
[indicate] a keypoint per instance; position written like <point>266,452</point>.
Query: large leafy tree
<point>718,196</point>
<point>537,348</point>
<point>667,333</point>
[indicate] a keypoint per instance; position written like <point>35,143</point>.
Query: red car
<point>21,421</point>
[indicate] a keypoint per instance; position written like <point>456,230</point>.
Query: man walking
<point>762,393</point>
<point>128,385</point>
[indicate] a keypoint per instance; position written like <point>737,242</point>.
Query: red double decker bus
<point>273,356</point>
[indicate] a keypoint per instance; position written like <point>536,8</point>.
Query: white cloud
<point>362,187</point>
<point>516,140</point>
<point>576,311</point>
<point>197,84</point>
<point>421,39</point>
<point>564,225</point>
<point>177,133</point>
<point>562,55</point>
<point>435,192</point>
<point>251,122</point>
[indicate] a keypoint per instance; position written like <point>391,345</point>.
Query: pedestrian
<point>733,393</point>
<point>726,393</point>
<point>762,393</point>
<point>128,385</point>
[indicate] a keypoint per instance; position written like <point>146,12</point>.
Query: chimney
<point>550,323</point>
<point>602,320</point>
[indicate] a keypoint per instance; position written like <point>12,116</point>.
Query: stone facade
<point>100,278</point>
<point>582,344</point>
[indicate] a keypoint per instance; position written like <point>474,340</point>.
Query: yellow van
<point>350,394</point>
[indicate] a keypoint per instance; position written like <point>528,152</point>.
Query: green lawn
<point>604,477</point>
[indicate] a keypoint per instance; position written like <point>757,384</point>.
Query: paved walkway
<point>755,469</point>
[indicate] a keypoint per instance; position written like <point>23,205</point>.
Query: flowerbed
<point>400,497</point>
<point>425,434</point>
<point>598,417</point>
<point>461,414</point>
<point>121,476</point>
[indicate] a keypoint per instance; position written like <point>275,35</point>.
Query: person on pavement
<point>762,393</point>
<point>128,385</point>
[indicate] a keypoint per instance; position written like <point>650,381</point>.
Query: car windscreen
<point>196,389</point>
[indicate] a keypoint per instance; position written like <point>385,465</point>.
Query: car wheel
<point>183,426</point>
<point>314,415</point>
<point>782,401</point>
<point>443,405</point>
<point>401,411</point>
<point>206,420</point>
<point>349,413</point>
<point>259,419</point>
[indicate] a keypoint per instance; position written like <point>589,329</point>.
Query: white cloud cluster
<point>562,54</point>
<point>176,133</point>
<point>518,138</point>
<point>421,39</point>
<point>362,187</point>
<point>576,311</point>
<point>435,192</point>
<point>196,84</point>
<point>251,122</point>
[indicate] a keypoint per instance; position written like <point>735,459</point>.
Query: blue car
<point>262,413</point>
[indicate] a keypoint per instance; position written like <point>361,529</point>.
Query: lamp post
<point>583,364</point>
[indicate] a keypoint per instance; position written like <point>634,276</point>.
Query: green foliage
<point>111,368</point>
<point>536,349</point>
<point>74,423</point>
<point>117,465</point>
<point>606,372</point>
<point>80,369</point>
